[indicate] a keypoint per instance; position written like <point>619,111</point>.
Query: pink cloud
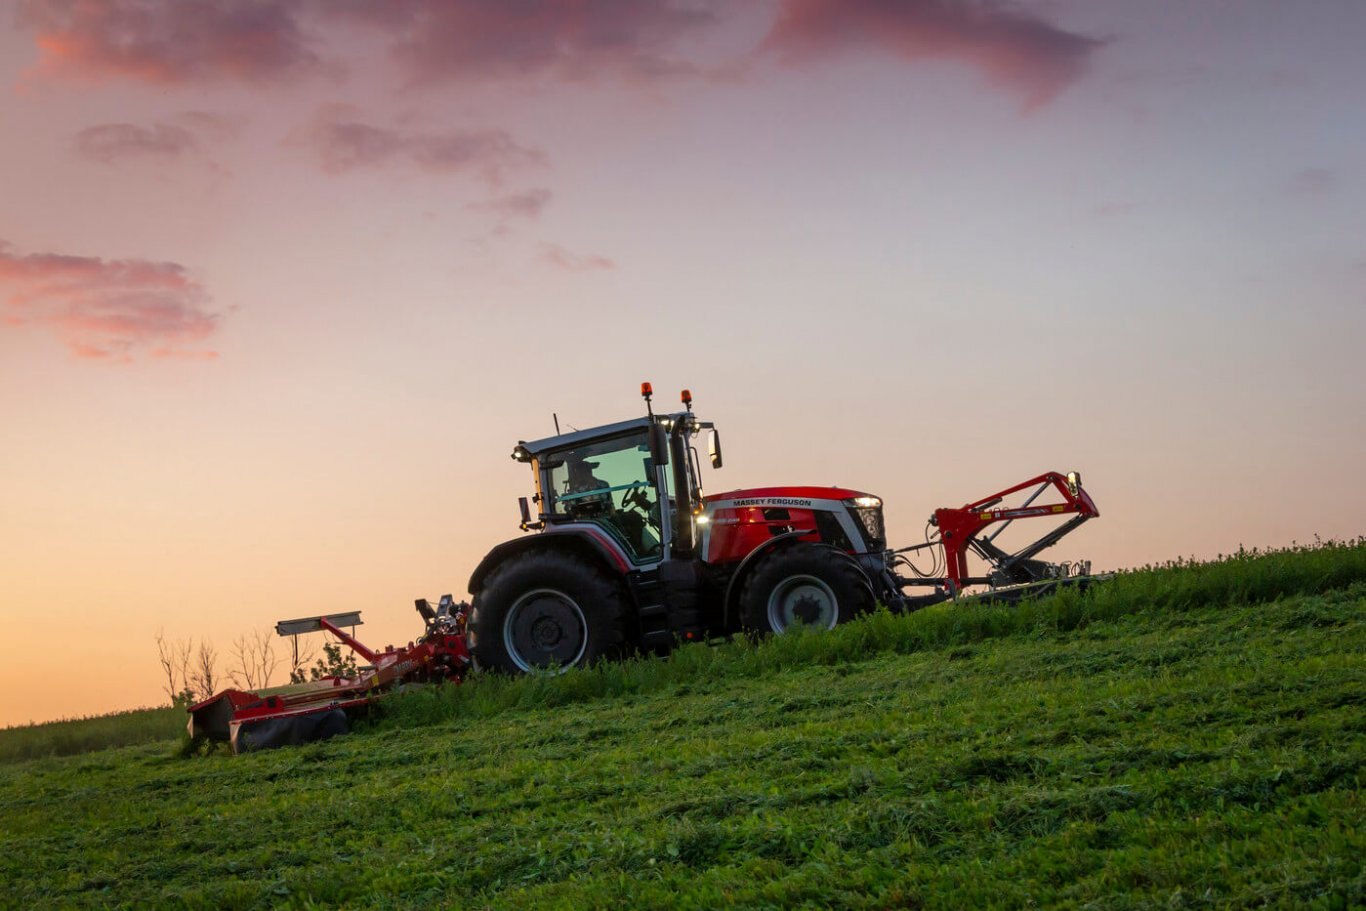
<point>341,145</point>
<point>1015,50</point>
<point>529,204</point>
<point>183,137</point>
<point>181,41</point>
<point>455,40</point>
<point>168,41</point>
<point>574,262</point>
<point>108,309</point>
<point>111,142</point>
<point>345,146</point>
<point>207,126</point>
<point>445,41</point>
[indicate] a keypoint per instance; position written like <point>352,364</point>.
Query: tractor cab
<point>636,482</point>
<point>606,477</point>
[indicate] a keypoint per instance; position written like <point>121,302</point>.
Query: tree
<point>204,675</point>
<point>255,659</point>
<point>333,664</point>
<point>174,658</point>
<point>298,668</point>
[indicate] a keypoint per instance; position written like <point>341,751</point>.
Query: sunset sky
<point>282,282</point>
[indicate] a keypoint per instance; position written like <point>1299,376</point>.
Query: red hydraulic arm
<point>959,528</point>
<point>347,638</point>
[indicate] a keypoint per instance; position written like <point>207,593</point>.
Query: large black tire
<point>546,611</point>
<point>811,584</point>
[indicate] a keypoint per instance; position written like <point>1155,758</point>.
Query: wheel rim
<point>802,600</point>
<point>545,632</point>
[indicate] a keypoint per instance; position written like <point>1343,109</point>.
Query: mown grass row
<point>1245,577</point>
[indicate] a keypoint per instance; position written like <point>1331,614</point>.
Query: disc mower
<point>322,708</point>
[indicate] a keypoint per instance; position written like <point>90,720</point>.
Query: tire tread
<point>822,560</point>
<point>603,605</point>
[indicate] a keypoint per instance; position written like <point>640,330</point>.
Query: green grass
<point>73,736</point>
<point>83,735</point>
<point>1188,736</point>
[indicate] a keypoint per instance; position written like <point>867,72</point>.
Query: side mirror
<point>526,512</point>
<point>714,448</point>
<point>659,446</point>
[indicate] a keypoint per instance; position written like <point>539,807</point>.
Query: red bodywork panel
<point>810,493</point>
<point>742,520</point>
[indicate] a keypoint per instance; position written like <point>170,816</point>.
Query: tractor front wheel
<point>545,612</point>
<point>804,584</point>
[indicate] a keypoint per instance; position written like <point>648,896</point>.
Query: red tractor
<point>631,555</point>
<point>629,552</point>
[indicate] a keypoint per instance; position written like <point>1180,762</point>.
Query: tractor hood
<point>784,493</point>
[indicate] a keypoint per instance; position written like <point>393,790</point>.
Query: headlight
<point>868,511</point>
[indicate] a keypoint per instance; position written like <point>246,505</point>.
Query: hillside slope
<point>1185,737</point>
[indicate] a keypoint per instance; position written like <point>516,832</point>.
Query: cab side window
<point>610,484</point>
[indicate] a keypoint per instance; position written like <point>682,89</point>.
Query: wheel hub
<point>545,629</point>
<point>802,600</point>
<point>807,609</point>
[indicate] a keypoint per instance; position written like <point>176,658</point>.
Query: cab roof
<point>534,448</point>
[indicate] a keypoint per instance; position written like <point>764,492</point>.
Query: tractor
<point>625,551</point>
<point>628,554</point>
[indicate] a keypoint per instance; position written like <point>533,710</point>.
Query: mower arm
<point>959,529</point>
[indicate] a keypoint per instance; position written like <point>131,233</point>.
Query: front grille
<point>831,532</point>
<point>869,521</point>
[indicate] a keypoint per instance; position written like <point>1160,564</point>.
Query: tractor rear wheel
<point>545,612</point>
<point>804,584</point>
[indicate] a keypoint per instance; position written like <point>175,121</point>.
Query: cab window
<point>612,484</point>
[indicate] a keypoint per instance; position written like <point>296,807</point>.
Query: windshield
<point>611,483</point>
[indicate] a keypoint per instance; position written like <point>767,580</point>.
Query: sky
<point>283,281</point>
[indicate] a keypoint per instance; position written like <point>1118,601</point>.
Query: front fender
<point>733,586</point>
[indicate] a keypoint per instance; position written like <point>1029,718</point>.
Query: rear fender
<point>584,539</point>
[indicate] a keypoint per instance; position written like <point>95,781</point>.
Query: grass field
<point>1189,736</point>
<point>85,735</point>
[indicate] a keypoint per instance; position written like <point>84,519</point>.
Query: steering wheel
<point>635,498</point>
<point>640,499</point>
